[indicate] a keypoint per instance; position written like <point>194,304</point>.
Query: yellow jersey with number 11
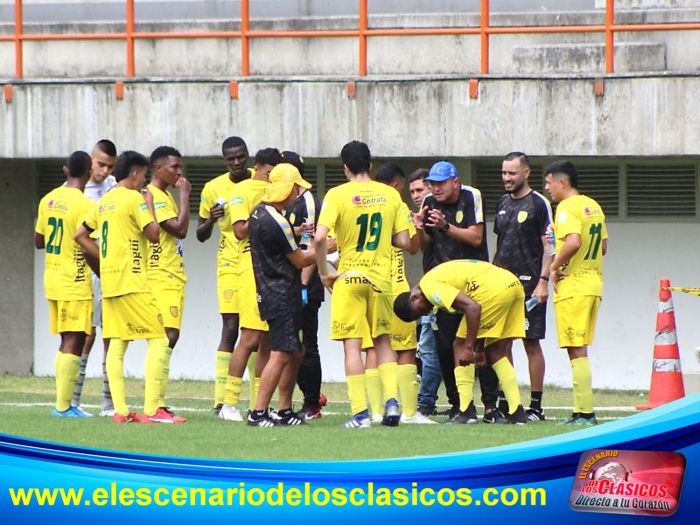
<point>583,216</point>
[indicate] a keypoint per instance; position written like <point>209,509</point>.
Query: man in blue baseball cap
<point>452,227</point>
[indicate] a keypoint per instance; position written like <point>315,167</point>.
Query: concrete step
<point>588,58</point>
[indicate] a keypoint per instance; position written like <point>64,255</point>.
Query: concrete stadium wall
<point>17,212</point>
<point>645,116</point>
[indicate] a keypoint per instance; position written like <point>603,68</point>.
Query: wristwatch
<point>445,227</point>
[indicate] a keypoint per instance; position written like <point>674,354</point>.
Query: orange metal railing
<point>362,33</point>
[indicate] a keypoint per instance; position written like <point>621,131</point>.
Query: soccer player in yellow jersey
<point>166,272</point>
<point>403,335</point>
<point>577,275</point>
<point>491,299</point>
<point>126,225</point>
<point>367,219</point>
<point>214,209</point>
<point>246,196</point>
<point>67,282</point>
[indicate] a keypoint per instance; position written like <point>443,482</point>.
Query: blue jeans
<point>431,377</point>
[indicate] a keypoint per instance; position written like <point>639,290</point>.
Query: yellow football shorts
<point>70,316</point>
<point>576,320</point>
<point>227,286</point>
<point>248,303</point>
<point>170,303</point>
<point>503,317</point>
<point>131,316</point>
<point>403,335</point>
<point>358,309</point>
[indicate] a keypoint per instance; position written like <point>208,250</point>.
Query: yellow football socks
<point>67,368</point>
<point>356,393</point>
<point>115,374</point>
<point>408,387</point>
<point>583,392</point>
<point>389,374</point>
<point>157,362</point>
<point>374,391</point>
<point>233,390</point>
<point>223,359</point>
<point>464,377</point>
<point>509,383</point>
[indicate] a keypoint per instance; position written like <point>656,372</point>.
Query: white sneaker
<point>107,413</point>
<point>80,409</point>
<point>417,419</point>
<point>229,413</point>
<point>377,418</point>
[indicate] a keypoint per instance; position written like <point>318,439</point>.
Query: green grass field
<point>26,403</point>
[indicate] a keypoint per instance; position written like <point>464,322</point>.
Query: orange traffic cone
<point>666,376</point>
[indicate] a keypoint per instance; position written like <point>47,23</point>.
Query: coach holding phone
<point>452,220</point>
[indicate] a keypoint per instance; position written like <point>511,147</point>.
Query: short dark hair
<point>420,173</point>
<point>388,173</point>
<point>293,158</point>
<point>233,142</point>
<point>402,308</point>
<point>269,156</point>
<point>513,155</point>
<point>163,152</point>
<point>79,164</point>
<point>107,147</point>
<point>127,162</point>
<point>563,167</point>
<point>356,157</point>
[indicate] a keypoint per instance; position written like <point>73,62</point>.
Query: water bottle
<point>551,241</point>
<point>531,303</point>
<point>221,202</point>
<point>305,235</point>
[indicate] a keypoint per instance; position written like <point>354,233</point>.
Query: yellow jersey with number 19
<point>581,215</point>
<point>365,216</point>
<point>120,217</point>
<point>66,274</point>
<point>165,256</point>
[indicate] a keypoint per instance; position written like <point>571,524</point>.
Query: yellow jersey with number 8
<point>120,217</point>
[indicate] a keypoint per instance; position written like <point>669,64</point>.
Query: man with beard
<point>523,218</point>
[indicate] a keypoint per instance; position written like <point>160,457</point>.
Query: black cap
<point>296,160</point>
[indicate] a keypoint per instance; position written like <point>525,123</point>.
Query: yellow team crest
<point>522,216</point>
<point>459,216</point>
<point>174,311</point>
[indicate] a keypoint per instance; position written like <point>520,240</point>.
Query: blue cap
<point>442,171</point>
